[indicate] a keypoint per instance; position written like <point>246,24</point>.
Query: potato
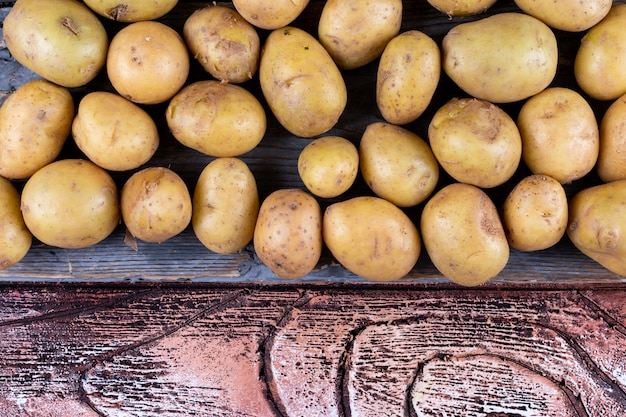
<point>397,165</point>
<point>270,15</point>
<point>601,57</point>
<point>15,238</point>
<point>476,142</point>
<point>462,8</point>
<point>113,132</point>
<point>502,58</point>
<point>147,62</point>
<point>131,10</point>
<point>155,204</point>
<point>225,205</point>
<point>61,40</point>
<point>611,164</point>
<point>70,203</point>
<point>223,42</point>
<point>408,74</point>
<point>288,233</point>
<point>35,122</point>
<point>355,32</point>
<point>596,224</point>
<point>568,15</point>
<point>301,83</point>
<point>534,214</point>
<point>328,166</point>
<point>371,237</point>
<point>463,234</point>
<point>560,135</point>
<point>217,119</point>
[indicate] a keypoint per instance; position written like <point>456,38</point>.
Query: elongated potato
<point>568,15</point>
<point>15,238</point>
<point>611,163</point>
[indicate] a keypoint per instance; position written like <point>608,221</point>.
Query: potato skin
<point>355,32</point>
<point>567,15</point>
<point>35,122</point>
<point>288,233</point>
<point>225,205</point>
<point>15,238</point>
<point>223,42</point>
<point>270,15</point>
<point>463,234</point>
<point>114,132</point>
<point>372,238</point>
<point>611,164</point>
<point>596,224</point>
<point>131,10</point>
<point>301,83</point>
<point>217,119</point>
<point>462,8</point>
<point>70,203</point>
<point>408,74</point>
<point>502,58</point>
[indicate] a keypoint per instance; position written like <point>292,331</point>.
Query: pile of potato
<point>495,60</point>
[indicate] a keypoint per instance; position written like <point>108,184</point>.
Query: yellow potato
<point>463,234</point>
<point>372,238</point>
<point>408,74</point>
<point>301,83</point>
<point>601,57</point>
<point>462,8</point>
<point>397,165</point>
<point>534,214</point>
<point>61,40</point>
<point>288,233</point>
<point>217,119</point>
<point>147,62</point>
<point>270,14</point>
<point>596,224</point>
<point>328,166</point>
<point>131,10</point>
<point>113,132</point>
<point>567,15</point>
<point>560,135</point>
<point>225,205</point>
<point>15,238</point>
<point>155,204</point>
<point>502,58</point>
<point>611,163</point>
<point>476,142</point>
<point>223,42</point>
<point>35,122</point>
<point>355,32</point>
<point>70,203</point>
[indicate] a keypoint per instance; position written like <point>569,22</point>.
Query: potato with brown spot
<point>15,238</point>
<point>462,7</point>
<point>131,10</point>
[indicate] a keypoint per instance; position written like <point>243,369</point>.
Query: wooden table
<point>175,330</point>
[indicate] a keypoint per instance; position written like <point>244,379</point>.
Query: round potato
<point>156,204</point>
<point>225,205</point>
<point>372,238</point>
<point>35,122</point>
<point>15,238</point>
<point>301,83</point>
<point>601,57</point>
<point>476,142</point>
<point>463,234</point>
<point>147,62</point>
<point>568,15</point>
<point>560,134</point>
<point>534,214</point>
<point>61,40</point>
<point>596,224</point>
<point>408,74</point>
<point>70,203</point>
<point>328,166</point>
<point>113,132</point>
<point>270,14</point>
<point>288,233</point>
<point>397,165</point>
<point>217,119</point>
<point>131,10</point>
<point>355,32</point>
<point>223,42</point>
<point>462,8</point>
<point>502,58</point>
<point>611,164</point>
